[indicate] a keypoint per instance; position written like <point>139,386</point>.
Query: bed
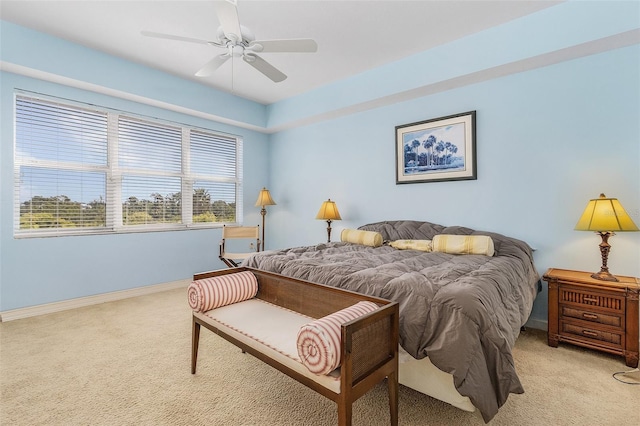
<point>458,313</point>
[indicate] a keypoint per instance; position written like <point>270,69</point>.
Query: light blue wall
<point>43,270</point>
<point>550,136</point>
<point>548,140</point>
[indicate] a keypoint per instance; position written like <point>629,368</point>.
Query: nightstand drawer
<point>591,316</point>
<point>609,338</point>
<point>576,296</point>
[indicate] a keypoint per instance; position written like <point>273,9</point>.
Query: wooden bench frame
<point>369,346</point>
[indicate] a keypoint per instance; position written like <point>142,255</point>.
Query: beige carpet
<point>127,363</point>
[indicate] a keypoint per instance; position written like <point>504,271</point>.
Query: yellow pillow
<point>422,245</point>
<point>366,238</point>
<point>463,244</point>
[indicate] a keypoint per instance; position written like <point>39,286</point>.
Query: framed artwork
<point>437,150</point>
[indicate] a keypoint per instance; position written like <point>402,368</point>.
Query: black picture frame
<point>437,150</point>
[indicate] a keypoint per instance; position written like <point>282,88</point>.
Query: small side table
<point>596,314</point>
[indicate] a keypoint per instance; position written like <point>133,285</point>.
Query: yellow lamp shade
<point>328,211</point>
<point>264,198</point>
<point>605,215</point>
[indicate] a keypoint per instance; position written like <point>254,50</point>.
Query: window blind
<point>150,160</point>
<point>214,186</point>
<point>83,169</point>
<point>61,166</point>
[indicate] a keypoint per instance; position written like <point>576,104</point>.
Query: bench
<point>368,345</point>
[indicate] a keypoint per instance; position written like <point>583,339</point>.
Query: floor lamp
<point>264,199</point>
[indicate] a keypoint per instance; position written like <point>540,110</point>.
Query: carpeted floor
<point>127,363</point>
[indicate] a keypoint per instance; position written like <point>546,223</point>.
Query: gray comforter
<point>462,311</point>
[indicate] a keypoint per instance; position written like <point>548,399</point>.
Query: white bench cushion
<point>269,329</point>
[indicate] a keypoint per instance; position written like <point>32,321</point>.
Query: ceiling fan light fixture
<point>236,50</point>
<point>239,42</point>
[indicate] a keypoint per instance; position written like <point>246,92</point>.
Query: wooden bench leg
<point>392,383</point>
<point>195,340</point>
<point>344,413</point>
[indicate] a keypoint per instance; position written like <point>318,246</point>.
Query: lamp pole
<point>263,212</point>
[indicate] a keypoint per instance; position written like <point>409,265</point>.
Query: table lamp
<point>605,216</point>
<point>329,212</point>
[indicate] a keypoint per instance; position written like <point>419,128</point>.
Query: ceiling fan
<point>239,41</point>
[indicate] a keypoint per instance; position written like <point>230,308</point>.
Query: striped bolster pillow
<point>211,293</point>
<point>319,341</point>
<point>463,244</point>
<point>365,238</point>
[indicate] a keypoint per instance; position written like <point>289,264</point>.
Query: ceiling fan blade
<point>227,11</point>
<point>211,66</point>
<point>264,67</point>
<point>302,45</point>
<point>174,37</point>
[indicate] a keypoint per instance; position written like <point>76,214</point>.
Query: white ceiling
<point>352,36</point>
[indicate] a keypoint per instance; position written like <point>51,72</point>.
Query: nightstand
<point>596,314</point>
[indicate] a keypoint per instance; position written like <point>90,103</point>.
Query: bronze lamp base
<point>604,276</point>
<point>604,273</point>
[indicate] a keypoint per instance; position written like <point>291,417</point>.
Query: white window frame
<point>113,190</point>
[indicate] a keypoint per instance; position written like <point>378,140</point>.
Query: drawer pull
<point>590,316</point>
<point>590,299</point>
<point>589,333</point>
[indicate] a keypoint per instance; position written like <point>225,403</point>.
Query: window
<point>80,169</point>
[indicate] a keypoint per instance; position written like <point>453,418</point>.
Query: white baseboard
<point>80,302</point>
